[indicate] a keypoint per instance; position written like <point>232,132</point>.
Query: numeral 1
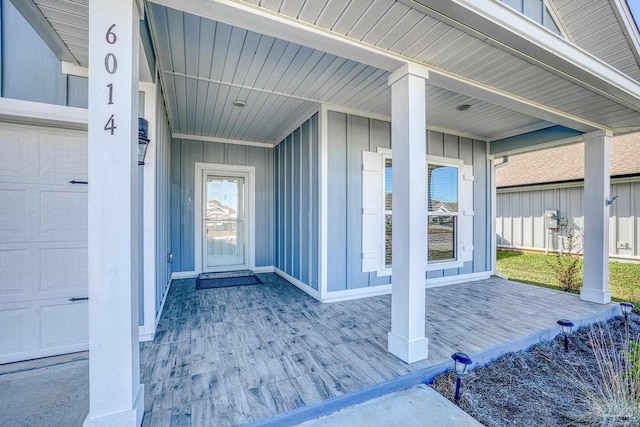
<point>110,86</point>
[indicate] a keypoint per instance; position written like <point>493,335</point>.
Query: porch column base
<point>408,351</point>
<point>129,418</point>
<point>595,295</point>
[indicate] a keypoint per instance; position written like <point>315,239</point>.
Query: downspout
<point>505,161</point>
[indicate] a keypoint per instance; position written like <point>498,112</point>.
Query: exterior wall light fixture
<point>143,140</point>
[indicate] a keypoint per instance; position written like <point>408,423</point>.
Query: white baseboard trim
<point>297,283</point>
<point>265,269</point>
<point>454,280</point>
<point>148,333</point>
<point>350,294</point>
<point>183,275</point>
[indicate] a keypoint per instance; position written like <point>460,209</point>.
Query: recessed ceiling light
<point>463,107</point>
<point>239,103</point>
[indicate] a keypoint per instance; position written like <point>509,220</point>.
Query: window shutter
<point>371,211</point>
<point>466,214</point>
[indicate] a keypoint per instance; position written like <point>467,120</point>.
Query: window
<point>536,10</point>
<point>442,212</point>
<point>443,179</point>
<point>449,212</point>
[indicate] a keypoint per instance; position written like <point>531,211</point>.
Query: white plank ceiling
<point>395,26</point>
<point>70,19</point>
<point>595,27</point>
<point>207,65</point>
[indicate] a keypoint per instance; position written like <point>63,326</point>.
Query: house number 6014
<point>111,66</point>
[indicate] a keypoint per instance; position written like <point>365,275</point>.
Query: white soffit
<point>603,28</point>
<point>460,52</point>
<point>206,65</point>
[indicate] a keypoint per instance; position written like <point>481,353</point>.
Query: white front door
<point>224,221</point>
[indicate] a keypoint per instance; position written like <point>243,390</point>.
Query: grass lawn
<point>624,278</point>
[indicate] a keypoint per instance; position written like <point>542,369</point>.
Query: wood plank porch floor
<point>231,356</point>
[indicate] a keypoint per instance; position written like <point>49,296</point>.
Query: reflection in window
<point>442,212</point>
<point>442,207</point>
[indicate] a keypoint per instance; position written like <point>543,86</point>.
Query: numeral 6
<point>111,36</point>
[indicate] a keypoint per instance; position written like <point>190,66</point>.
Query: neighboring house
<point>553,179</point>
<point>289,116</point>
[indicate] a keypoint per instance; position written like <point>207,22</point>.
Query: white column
<point>116,396</point>
<point>596,217</point>
<point>408,136</point>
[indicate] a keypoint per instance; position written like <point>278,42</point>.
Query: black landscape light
<point>565,325</point>
<point>461,363</point>
<point>626,308</point>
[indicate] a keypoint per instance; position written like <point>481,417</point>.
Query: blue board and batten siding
<point>29,70</point>
<point>297,203</point>
<point>350,135</point>
<point>184,155</point>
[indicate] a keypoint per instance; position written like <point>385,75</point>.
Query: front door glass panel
<point>224,221</point>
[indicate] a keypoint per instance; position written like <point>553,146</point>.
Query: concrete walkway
<point>419,406</point>
<point>43,396</point>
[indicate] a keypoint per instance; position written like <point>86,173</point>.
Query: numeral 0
<point>111,36</point>
<point>110,63</point>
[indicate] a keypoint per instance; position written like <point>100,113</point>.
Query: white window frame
<point>457,261</point>
<point>430,266</point>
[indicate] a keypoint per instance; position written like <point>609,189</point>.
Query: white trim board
<point>184,275</point>
<point>323,208</point>
<point>349,294</point>
<point>27,112</point>
<point>559,185</point>
<point>297,283</point>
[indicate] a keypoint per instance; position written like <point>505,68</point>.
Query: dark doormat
<point>224,282</point>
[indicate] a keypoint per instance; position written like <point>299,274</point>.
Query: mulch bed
<point>537,387</point>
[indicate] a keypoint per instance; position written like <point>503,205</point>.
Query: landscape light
<point>461,363</point>
<point>626,308</point>
<point>565,325</point>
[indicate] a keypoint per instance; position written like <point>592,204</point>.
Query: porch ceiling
<point>285,56</point>
<point>206,65</point>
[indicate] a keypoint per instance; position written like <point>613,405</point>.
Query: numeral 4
<point>110,125</point>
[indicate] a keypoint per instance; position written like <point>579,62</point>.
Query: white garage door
<point>43,242</point>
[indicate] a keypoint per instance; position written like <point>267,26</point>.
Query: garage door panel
<point>64,269</point>
<point>13,273</point>
<point>63,325</point>
<point>13,206</point>
<point>63,211</point>
<point>64,157</point>
<point>13,333</point>
<point>15,147</point>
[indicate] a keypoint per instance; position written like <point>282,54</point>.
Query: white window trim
<point>385,271</point>
<point>457,262</point>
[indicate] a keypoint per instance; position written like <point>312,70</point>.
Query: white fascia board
<point>18,111</point>
<point>628,25</point>
<point>259,20</point>
<point>507,27</point>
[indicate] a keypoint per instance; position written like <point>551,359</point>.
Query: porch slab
<point>232,356</point>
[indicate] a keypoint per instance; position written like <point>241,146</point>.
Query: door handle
<point>74,299</point>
